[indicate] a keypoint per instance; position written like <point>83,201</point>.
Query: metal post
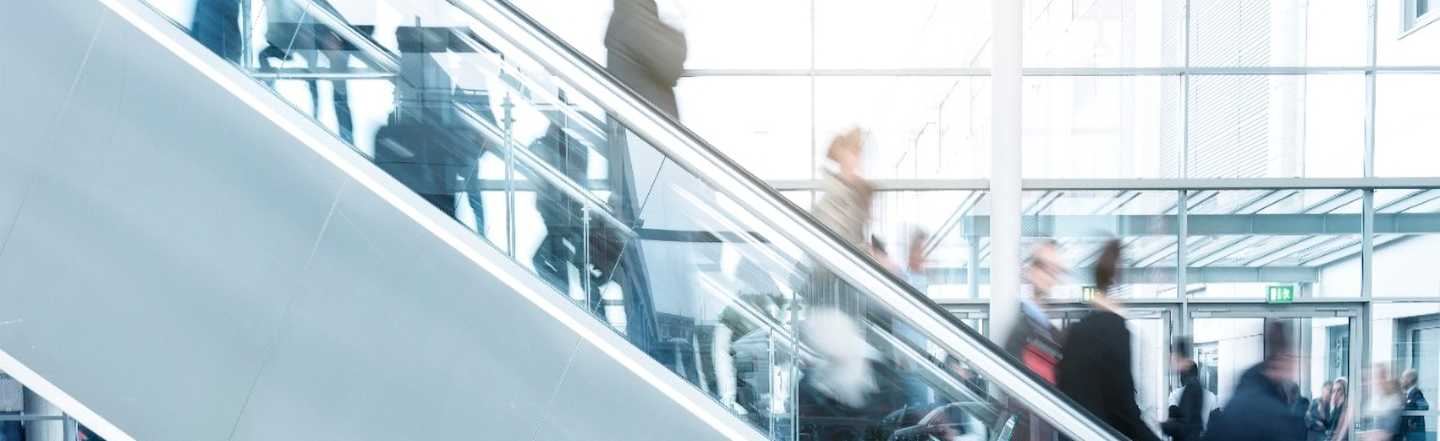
<point>1182,261</point>
<point>72,430</point>
<point>247,27</point>
<point>585,269</point>
<point>1005,167</point>
<point>770,370</point>
<point>973,276</point>
<point>509,122</point>
<point>1184,166</point>
<point>1369,161</point>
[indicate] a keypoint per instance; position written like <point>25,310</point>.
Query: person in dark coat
<point>1095,366</point>
<point>1317,418</point>
<point>1186,423</point>
<point>216,25</point>
<point>1260,409</point>
<point>424,144</point>
<point>1413,425</point>
<point>644,53</point>
<point>1033,339</point>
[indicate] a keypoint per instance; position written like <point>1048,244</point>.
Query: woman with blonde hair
<point>845,209</point>
<point>842,369</point>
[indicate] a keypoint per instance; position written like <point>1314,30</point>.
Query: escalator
<point>291,219</point>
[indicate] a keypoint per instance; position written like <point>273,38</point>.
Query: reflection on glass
<point>1242,243</point>
<point>687,275</point>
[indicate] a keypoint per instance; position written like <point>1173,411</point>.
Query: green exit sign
<point>1280,294</point>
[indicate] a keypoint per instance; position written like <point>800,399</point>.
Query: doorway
<point>1230,339</point>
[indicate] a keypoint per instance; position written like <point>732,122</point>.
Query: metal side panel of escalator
<point>183,257</point>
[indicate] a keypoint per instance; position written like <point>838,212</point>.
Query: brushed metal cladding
<point>189,270</point>
<point>376,284</point>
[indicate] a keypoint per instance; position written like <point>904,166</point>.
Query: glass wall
<point>1282,125</point>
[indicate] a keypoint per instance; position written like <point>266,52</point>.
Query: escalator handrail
<point>546,172</point>
<point>707,163</point>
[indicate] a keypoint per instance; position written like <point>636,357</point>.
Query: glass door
<point>1418,349</point>
<point>1152,327</point>
<point>1230,339</point>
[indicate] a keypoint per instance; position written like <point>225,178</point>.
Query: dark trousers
<point>554,257</point>
<point>11,430</point>
<point>217,26</point>
<point>340,93</point>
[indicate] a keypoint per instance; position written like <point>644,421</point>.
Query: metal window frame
<point>689,152</point>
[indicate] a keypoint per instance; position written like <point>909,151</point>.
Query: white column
<point>42,430</point>
<point>1005,168</point>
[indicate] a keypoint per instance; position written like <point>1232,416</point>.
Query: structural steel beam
<point>1163,275</point>
<point>1210,224</point>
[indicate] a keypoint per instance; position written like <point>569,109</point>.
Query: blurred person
<point>12,403</point>
<point>742,349</point>
<point>842,369</point>
<point>422,143</point>
<point>1095,366</point>
<point>1298,403</point>
<point>845,209</point>
<point>563,244</point>
<point>1341,411</point>
<point>915,266</point>
<point>647,56</point>
<point>1033,339</point>
<point>1260,409</point>
<point>1414,425</point>
<point>881,255</point>
<point>918,392</point>
<point>1189,405</point>
<point>291,32</point>
<point>1383,409</point>
<point>1317,417</point>
<point>949,421</point>
<point>216,26</point>
<point>645,53</point>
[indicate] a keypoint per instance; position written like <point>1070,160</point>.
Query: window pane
<point>1405,41</point>
<point>1242,242</point>
<point>1278,32</point>
<point>1407,243</point>
<point>917,127</point>
<point>734,34</point>
<point>898,33</point>
<point>1104,33</point>
<point>1102,127</point>
<point>1276,126</point>
<point>954,245</point>
<point>762,123</point>
<point>1082,221</point>
<point>1406,143</point>
<point>946,248</point>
